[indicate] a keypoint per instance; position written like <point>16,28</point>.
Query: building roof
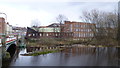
<point>47,29</point>
<point>73,22</point>
<point>54,25</point>
<point>19,28</point>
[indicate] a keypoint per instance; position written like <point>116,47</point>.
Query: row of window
<point>84,30</point>
<point>49,34</point>
<point>85,25</point>
<point>83,35</point>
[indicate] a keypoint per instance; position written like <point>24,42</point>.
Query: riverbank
<point>40,52</point>
<point>51,42</point>
<point>35,51</point>
<point>62,42</point>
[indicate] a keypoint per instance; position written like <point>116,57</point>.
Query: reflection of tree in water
<point>83,50</point>
<point>16,55</point>
<point>118,52</point>
<point>107,54</point>
<point>112,56</point>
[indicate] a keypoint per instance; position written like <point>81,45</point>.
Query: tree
<point>106,25</point>
<point>35,24</point>
<point>118,32</point>
<point>61,18</point>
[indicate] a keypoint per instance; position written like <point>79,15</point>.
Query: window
<point>90,35</point>
<point>83,35</point>
<point>81,29</point>
<point>79,35</point>
<point>90,30</point>
<point>36,34</point>
<point>33,34</point>
<point>56,34</point>
<point>46,34</point>
<point>76,29</point>
<point>79,25</point>
<point>40,34</point>
<point>29,34</point>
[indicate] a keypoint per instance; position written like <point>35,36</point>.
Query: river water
<point>75,56</point>
<point>0,56</point>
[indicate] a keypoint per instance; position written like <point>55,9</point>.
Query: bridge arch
<point>11,49</point>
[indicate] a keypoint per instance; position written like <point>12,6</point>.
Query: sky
<point>22,12</point>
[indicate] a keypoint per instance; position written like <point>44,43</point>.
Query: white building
<point>8,29</point>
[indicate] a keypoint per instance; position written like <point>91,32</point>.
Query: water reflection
<point>0,56</point>
<point>75,56</point>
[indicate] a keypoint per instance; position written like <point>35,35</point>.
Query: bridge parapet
<point>7,40</point>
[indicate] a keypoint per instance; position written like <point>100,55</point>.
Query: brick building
<point>2,26</point>
<point>80,30</point>
<point>75,30</point>
<point>5,27</point>
<point>32,33</point>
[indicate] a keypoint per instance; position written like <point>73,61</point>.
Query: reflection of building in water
<point>83,50</point>
<point>89,50</point>
<point>80,50</point>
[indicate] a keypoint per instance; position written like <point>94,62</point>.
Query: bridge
<point>9,43</point>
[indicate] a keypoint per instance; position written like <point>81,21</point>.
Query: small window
<point>56,34</point>
<point>29,34</point>
<point>33,34</point>
<point>40,34</point>
<point>46,34</point>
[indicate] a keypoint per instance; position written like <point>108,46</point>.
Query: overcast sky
<point>22,12</point>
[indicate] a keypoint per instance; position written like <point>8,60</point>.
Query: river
<point>0,56</point>
<point>76,56</point>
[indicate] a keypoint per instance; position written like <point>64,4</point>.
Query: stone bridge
<point>9,44</point>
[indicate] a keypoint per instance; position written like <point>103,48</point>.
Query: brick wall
<point>2,25</point>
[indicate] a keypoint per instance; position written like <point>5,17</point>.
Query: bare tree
<point>61,18</point>
<point>118,32</point>
<point>106,25</point>
<point>35,24</point>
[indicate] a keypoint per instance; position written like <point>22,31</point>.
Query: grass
<point>45,52</point>
<point>41,52</point>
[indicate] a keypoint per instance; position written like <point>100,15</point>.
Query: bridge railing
<point>8,39</point>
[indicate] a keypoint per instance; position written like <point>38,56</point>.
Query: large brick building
<point>74,30</point>
<point>80,30</point>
